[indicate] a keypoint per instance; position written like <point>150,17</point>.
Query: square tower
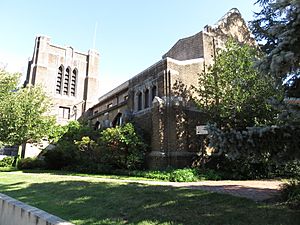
<point>70,78</point>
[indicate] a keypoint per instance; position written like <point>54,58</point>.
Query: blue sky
<point>131,34</point>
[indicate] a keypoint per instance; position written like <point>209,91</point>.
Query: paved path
<point>257,190</point>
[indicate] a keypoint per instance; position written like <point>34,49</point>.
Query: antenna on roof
<point>95,35</point>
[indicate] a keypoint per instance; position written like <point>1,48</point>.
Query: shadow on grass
<point>90,203</point>
<point>266,194</point>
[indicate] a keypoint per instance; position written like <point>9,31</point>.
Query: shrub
<point>208,174</point>
<point>175,175</point>
<point>290,170</point>
<point>122,147</point>
<point>92,168</point>
<point>179,175</point>
<point>258,152</point>
<point>89,150</point>
<point>291,193</point>
<point>7,161</point>
<point>184,175</point>
<point>30,163</point>
<point>85,150</point>
<point>64,154</point>
<point>156,174</point>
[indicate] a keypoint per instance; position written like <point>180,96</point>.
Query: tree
<point>277,26</point>
<point>22,111</point>
<point>233,92</point>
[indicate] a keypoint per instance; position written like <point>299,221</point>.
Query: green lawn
<point>86,200</point>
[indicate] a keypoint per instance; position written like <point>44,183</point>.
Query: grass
<point>7,169</point>
<point>177,175</point>
<point>90,201</point>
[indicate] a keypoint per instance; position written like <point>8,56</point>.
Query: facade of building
<point>70,78</point>
<point>158,99</point>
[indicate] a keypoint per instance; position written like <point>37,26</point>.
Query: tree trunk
<point>23,150</point>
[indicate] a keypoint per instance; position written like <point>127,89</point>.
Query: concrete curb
<point>14,212</point>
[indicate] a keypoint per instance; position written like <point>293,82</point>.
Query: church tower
<point>70,78</point>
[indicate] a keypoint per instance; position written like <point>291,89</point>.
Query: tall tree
<point>277,27</point>
<point>233,92</point>
<point>22,111</point>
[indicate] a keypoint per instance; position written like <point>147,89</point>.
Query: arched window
<point>118,120</point>
<point>140,100</point>
<point>146,98</point>
<point>97,125</point>
<point>73,82</point>
<point>59,80</point>
<point>66,81</point>
<point>153,92</point>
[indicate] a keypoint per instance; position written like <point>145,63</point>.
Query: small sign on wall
<point>201,130</point>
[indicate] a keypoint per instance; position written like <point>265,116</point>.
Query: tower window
<point>73,82</point>
<point>59,80</point>
<point>66,82</point>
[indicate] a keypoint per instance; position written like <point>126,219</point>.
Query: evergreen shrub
<point>30,163</point>
<point>258,152</point>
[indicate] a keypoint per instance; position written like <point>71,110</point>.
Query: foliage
<point>289,114</point>
<point>177,175</point>
<point>63,155</point>
<point>87,146</point>
<point>82,149</point>
<point>57,131</point>
<point>30,163</point>
<point>8,83</point>
<point>22,111</point>
<point>76,130</point>
<point>66,153</point>
<point>291,193</point>
<point>151,174</point>
<point>291,169</point>
<point>184,175</point>
<point>122,147</point>
<point>233,92</point>
<point>208,174</point>
<point>256,152</point>
<point>174,175</point>
<point>7,161</point>
<point>277,26</point>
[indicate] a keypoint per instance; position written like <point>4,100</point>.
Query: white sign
<point>201,130</point>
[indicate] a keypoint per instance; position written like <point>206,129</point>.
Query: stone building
<point>158,99</point>
<point>70,78</point>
